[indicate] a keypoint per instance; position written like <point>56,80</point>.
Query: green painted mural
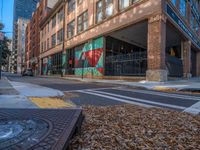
<point>89,58</point>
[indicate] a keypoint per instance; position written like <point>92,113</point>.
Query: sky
<point>6,16</point>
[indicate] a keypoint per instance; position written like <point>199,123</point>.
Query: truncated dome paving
<point>37,129</point>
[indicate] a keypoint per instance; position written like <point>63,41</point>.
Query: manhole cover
<point>37,128</point>
<point>22,133</point>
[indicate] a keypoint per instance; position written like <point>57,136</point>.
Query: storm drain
<point>38,129</point>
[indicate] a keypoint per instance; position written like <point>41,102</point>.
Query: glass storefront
<point>56,65</point>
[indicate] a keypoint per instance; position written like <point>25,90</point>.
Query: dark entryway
<point>193,63</point>
<point>124,59</point>
<point>126,51</point>
<point>173,52</point>
<point>70,68</point>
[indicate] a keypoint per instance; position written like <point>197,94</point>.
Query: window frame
<point>83,21</point>
<point>69,25</point>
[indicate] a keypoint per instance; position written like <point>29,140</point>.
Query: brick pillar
<point>186,56</point>
<point>156,49</point>
<point>198,64</point>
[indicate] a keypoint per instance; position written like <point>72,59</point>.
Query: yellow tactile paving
<point>49,102</point>
<point>161,88</point>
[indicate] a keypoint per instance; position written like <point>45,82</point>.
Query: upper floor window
<point>109,7</point>
<point>71,5</point>
<point>61,15</point>
<point>183,7</point>
<point>53,40</point>
<point>42,48</point>
<point>99,11</point>
<point>192,21</point>
<point>70,29</point>
<point>54,21</point>
<point>104,9</point>
<point>48,46</point>
<point>60,36</point>
<point>174,2</point>
<point>44,45</point>
<point>48,27</point>
<point>83,22</point>
<point>125,3</point>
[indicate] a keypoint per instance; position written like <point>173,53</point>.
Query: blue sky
<point>7,15</point>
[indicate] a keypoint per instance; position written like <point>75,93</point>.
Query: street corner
<point>52,102</point>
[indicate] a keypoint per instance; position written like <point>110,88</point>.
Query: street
<point>101,94</point>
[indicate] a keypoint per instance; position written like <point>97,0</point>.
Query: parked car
<point>28,72</point>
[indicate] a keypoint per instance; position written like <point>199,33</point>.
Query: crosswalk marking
<point>129,100</point>
<point>141,100</point>
<point>116,99</point>
<point>186,97</point>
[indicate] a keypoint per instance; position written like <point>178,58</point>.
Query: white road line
<point>93,89</point>
<point>103,94</point>
<point>186,97</point>
<point>116,99</point>
<point>194,109</point>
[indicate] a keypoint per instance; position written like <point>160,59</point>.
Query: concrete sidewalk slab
<point>6,88</point>
<point>15,101</point>
<point>193,83</point>
<point>32,90</point>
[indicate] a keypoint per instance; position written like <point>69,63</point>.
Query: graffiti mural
<point>89,58</point>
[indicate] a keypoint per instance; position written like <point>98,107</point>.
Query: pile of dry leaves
<point>131,127</point>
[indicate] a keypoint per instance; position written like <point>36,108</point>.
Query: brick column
<point>186,57</point>
<point>198,64</point>
<point>156,48</point>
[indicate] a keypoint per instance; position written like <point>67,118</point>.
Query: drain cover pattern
<point>21,134</point>
<point>38,129</point>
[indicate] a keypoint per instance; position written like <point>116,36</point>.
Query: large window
<point>183,7</point>
<point>104,9</point>
<point>48,46</point>
<point>125,3</point>
<point>174,2</point>
<point>192,21</point>
<point>60,36</point>
<point>70,29</point>
<point>83,22</point>
<point>99,11</point>
<point>56,63</point>
<point>53,40</point>
<point>54,21</point>
<point>44,45</point>
<point>61,15</point>
<point>71,5</point>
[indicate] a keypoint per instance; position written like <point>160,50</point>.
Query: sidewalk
<point>11,98</point>
<point>26,95</point>
<point>192,84</point>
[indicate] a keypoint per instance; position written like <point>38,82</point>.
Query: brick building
<point>157,39</point>
<point>33,35</point>
<point>52,29</point>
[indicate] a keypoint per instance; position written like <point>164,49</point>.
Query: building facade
<point>120,38</point>
<point>21,24</point>
<point>21,9</point>
<point>33,35</point>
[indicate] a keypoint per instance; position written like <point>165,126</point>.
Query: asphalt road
<point>107,94</point>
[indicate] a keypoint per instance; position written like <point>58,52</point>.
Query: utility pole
<point>1,49</point>
<point>63,40</point>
